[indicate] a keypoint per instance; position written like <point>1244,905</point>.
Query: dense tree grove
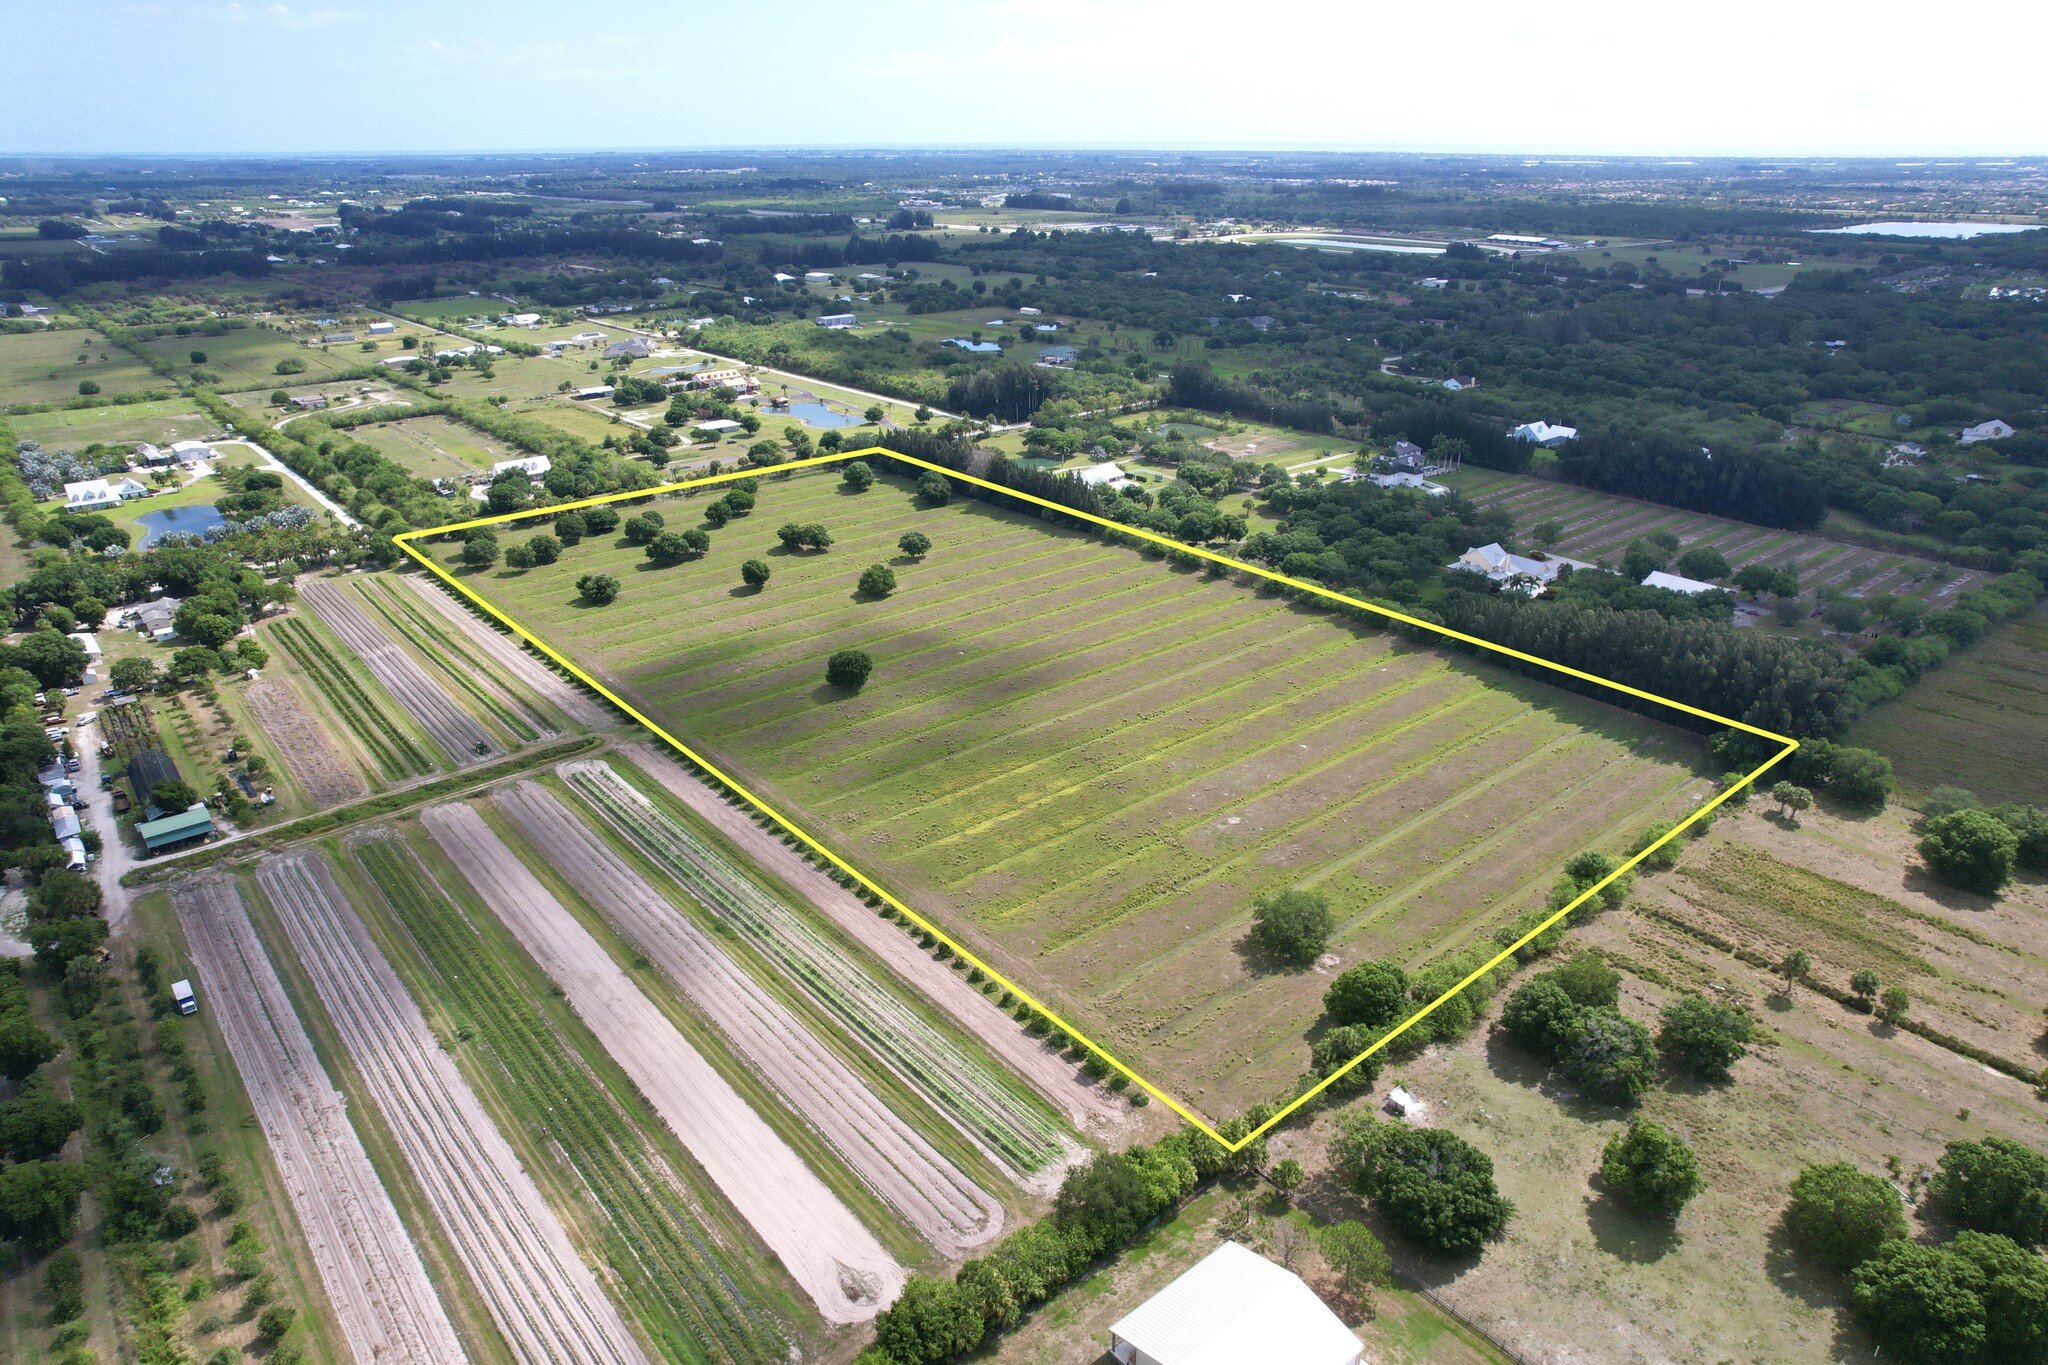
<point>1429,1184</point>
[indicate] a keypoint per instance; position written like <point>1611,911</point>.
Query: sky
<point>1777,77</point>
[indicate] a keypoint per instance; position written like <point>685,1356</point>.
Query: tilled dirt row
<point>542,1296</point>
<point>935,1198</point>
<point>1059,1080</point>
<point>328,780</point>
<point>382,1297</point>
<point>453,728</point>
<point>545,683</point>
<point>848,1274</point>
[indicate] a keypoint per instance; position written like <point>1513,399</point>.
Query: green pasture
<point>159,422</point>
<point>247,358</point>
<point>1089,763</point>
<point>434,447</point>
<point>48,366</point>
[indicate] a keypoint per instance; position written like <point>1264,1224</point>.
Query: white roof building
<point>1544,434</point>
<point>191,450</point>
<point>149,454</point>
<point>1672,582</point>
<point>1512,570</point>
<point>1415,481</point>
<point>815,276</point>
<point>783,277</point>
<point>1096,475</point>
<point>533,466</point>
<point>520,319</point>
<point>1234,1306</point>
<point>87,641</point>
<point>718,424</point>
<point>1993,430</point>
<point>92,494</point>
<point>837,320</point>
<point>378,329</point>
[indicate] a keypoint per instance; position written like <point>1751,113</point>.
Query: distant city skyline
<point>250,78</point>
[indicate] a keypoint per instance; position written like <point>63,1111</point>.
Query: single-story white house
<point>721,425</point>
<point>817,276</point>
<point>1434,282</point>
<point>1510,570</point>
<point>632,348</point>
<point>191,452</point>
<point>88,642</point>
<point>1415,481</point>
<point>1544,433</point>
<point>1672,582</point>
<point>1030,312</point>
<point>700,323</point>
<point>1459,382</point>
<point>1993,430</point>
<point>1234,1307</point>
<point>533,466</point>
<point>837,320</point>
<point>93,495</point>
<point>520,319</point>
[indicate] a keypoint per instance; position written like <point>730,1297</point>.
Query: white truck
<point>181,992</point>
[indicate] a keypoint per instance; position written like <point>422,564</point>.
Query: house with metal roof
<point>1234,1306</point>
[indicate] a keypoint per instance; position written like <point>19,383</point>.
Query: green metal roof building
<point>174,829</point>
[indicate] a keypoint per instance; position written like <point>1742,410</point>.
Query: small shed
<point>1399,1102</point>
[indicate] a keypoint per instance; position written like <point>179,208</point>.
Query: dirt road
<point>453,728</point>
<point>381,1295</point>
<point>542,1296</point>
<point>847,1273</point>
<point>319,769</point>
<point>543,681</point>
<point>1088,1105</point>
<point>943,1205</point>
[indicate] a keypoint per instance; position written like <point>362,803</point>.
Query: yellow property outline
<point>404,541</point>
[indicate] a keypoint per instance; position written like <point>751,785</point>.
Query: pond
<point>978,347</point>
<point>193,520</point>
<point>1953,232</point>
<point>818,415</point>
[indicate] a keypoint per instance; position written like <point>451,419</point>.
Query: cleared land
<point>458,733</point>
<point>382,1298</point>
<point>302,745</point>
<point>1090,765</point>
<point>247,357</point>
<point>160,422</point>
<point>932,1195</point>
<point>1980,722</point>
<point>847,1273</point>
<point>542,1296</point>
<point>433,447</point>
<point>1599,526</point>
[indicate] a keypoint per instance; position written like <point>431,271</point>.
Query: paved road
<point>271,461</point>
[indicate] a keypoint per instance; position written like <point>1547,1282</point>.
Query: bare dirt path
<point>542,1296</point>
<point>935,1198</point>
<point>381,1295</point>
<point>453,728</point>
<point>319,769</point>
<point>550,686</point>
<point>847,1273</point>
<point>1088,1105</point>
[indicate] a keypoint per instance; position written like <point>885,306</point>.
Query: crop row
<point>970,1093</point>
<point>688,1299</point>
<point>394,751</point>
<point>444,653</point>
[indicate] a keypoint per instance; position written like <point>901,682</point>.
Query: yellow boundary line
<point>404,541</point>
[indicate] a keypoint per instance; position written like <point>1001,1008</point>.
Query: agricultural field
<point>384,743</point>
<point>434,447</point>
<point>48,366</point>
<point>1599,526</point>
<point>1096,810</point>
<point>1981,722</point>
<point>158,421</point>
<point>1823,1081</point>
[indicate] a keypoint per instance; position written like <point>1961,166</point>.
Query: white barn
<point>1233,1307</point>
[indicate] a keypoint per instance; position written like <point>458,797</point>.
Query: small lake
<point>818,415</point>
<point>1953,232</point>
<point>195,520</point>
<point>978,347</point>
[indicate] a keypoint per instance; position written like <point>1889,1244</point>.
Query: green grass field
<point>1089,765</point>
<point>45,367</point>
<point>160,423</point>
<point>247,358</point>
<point>434,447</point>
<point>1981,722</point>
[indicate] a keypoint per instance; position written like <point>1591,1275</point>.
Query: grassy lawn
<point>48,366</point>
<point>1089,765</point>
<point>247,358</point>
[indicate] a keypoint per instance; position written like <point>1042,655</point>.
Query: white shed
<point>1234,1306</point>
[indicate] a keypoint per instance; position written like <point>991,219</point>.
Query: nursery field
<point>1087,765</point>
<point>1599,526</point>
